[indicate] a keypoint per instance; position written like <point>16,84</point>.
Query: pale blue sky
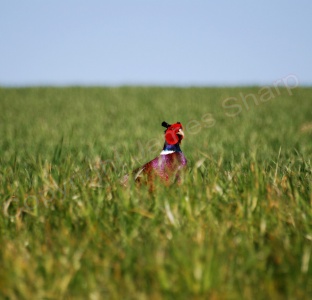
<point>163,42</point>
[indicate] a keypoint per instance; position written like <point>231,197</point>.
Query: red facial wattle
<point>174,134</point>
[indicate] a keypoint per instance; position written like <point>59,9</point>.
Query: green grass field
<point>239,227</point>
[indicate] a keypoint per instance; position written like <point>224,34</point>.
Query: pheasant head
<point>174,133</point>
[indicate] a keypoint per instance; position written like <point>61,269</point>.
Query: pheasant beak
<point>180,132</point>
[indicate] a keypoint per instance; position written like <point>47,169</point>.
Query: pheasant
<point>171,161</point>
